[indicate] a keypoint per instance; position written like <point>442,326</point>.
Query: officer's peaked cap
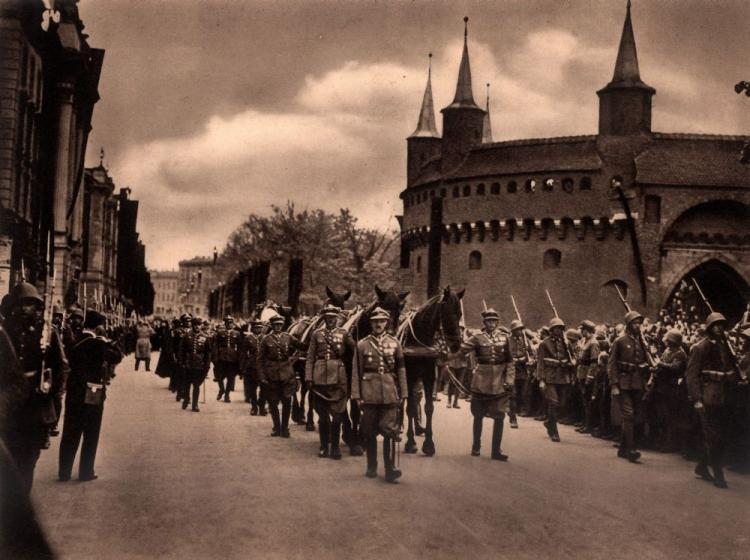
<point>276,319</point>
<point>490,314</point>
<point>229,318</point>
<point>379,314</point>
<point>330,310</point>
<point>76,311</point>
<point>715,317</point>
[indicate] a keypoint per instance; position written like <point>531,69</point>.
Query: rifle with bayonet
<point>732,352</point>
<point>45,375</point>
<point>529,357</point>
<point>565,340</point>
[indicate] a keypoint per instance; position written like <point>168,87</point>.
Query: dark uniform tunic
<point>628,369</point>
<point>494,374</point>
<point>325,369</point>
<point>195,359</point>
<point>225,355</point>
<point>588,368</point>
<point>276,368</point>
<point>379,383</point>
<point>522,353</point>
<point>249,354</point>
<point>555,370</point>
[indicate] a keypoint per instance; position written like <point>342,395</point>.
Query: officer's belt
<point>554,362</point>
<point>278,359</point>
<point>713,375</point>
<point>490,362</point>
<point>380,371</point>
<point>630,367</point>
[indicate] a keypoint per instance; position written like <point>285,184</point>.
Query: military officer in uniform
<point>178,382</point>
<point>523,361</point>
<point>712,374</point>
<point>588,363</point>
<point>492,381</point>
<point>379,387</point>
<point>325,376</point>
<point>276,374</point>
<point>91,359</point>
<point>195,357</point>
<point>628,370</point>
<point>249,354</point>
<point>225,357</point>
<point>555,366</point>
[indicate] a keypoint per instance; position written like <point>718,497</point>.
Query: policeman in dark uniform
<point>91,358</point>
<point>195,357</point>
<point>555,372</point>
<point>712,374</point>
<point>379,386</point>
<point>588,363</point>
<point>30,409</point>
<point>492,381</point>
<point>628,370</point>
<point>325,376</point>
<point>249,355</point>
<point>225,357</point>
<point>276,374</point>
<point>523,361</point>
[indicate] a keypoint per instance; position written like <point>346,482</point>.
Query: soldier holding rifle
<point>525,361</point>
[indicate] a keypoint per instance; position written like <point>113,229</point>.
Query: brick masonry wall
<point>10,64</point>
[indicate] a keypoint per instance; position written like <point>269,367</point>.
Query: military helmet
<point>746,333</point>
<point>256,322</point>
<point>556,322</point>
<point>196,321</point>
<point>515,324</point>
<point>330,310</point>
<point>185,317</point>
<point>631,316</point>
<point>490,314</point>
<point>93,319</point>
<point>674,336</point>
<point>572,334</point>
<point>379,314</point>
<point>75,311</point>
<point>276,319</point>
<point>588,325</point>
<point>715,317</point>
<point>24,290</point>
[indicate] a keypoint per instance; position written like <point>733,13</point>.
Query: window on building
<point>495,188</point>
<point>455,192</point>
<point>551,259</point>
<point>475,260</point>
<point>419,264</point>
<point>653,209</point>
<point>549,184</point>
<point>467,190</point>
<point>567,185</point>
<point>512,187</point>
<point>530,186</point>
<point>443,193</point>
<point>586,183</point>
<point>480,189</point>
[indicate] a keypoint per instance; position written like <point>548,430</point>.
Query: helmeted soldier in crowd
<point>668,375</point>
<point>555,366</point>
<point>379,386</point>
<point>523,361</point>
<point>628,370</point>
<point>712,375</point>
<point>91,358</point>
<point>249,356</point>
<point>492,381</point>
<point>32,378</point>
<point>588,365</point>
<point>460,366</point>
<point>195,357</point>
<point>276,374</point>
<point>73,330</point>
<point>226,357</point>
<point>325,376</point>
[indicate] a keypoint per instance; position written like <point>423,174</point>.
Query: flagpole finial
<point>466,27</point>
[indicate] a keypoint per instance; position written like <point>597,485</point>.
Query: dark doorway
<point>723,286</point>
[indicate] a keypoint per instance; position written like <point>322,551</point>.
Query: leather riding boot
<point>286,410</point>
<point>497,439</point>
<point>276,419</point>
<point>334,438</point>
<point>323,434</point>
<point>372,458</point>
<point>392,474</point>
<point>477,436</point>
<point>716,466</point>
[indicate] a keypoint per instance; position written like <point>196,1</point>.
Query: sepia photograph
<point>374,279</point>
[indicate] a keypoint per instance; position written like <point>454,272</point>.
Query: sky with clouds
<point>214,109</point>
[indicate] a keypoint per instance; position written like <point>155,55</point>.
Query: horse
<point>417,333</point>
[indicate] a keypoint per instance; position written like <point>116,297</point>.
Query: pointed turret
<point>487,130</point>
<point>463,120</point>
<point>625,102</point>
<point>426,127</point>
<point>424,144</point>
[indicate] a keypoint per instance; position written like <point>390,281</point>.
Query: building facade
<point>577,216</point>
<point>197,276</point>
<point>166,293</point>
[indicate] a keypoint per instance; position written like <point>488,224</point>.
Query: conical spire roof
<point>487,128</point>
<point>464,95</point>
<point>626,72</point>
<point>426,127</point>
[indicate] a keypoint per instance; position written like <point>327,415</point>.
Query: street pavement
<point>214,484</point>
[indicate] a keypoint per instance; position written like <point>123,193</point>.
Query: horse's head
<point>450,317</point>
<point>392,302</point>
<point>337,299</point>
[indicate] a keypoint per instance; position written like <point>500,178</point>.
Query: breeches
<point>491,408</point>
<point>276,391</point>
<point>380,419</point>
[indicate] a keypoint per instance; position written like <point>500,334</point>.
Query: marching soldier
<point>195,357</point>
<point>492,381</point>
<point>91,358</point>
<point>712,374</point>
<point>178,382</point>
<point>27,402</point>
<point>627,369</point>
<point>276,374</point>
<point>249,355</point>
<point>225,357</point>
<point>588,365</point>
<point>523,361</point>
<point>379,386</point>
<point>554,371</point>
<point>325,376</point>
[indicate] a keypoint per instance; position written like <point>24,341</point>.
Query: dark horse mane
<point>439,313</point>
